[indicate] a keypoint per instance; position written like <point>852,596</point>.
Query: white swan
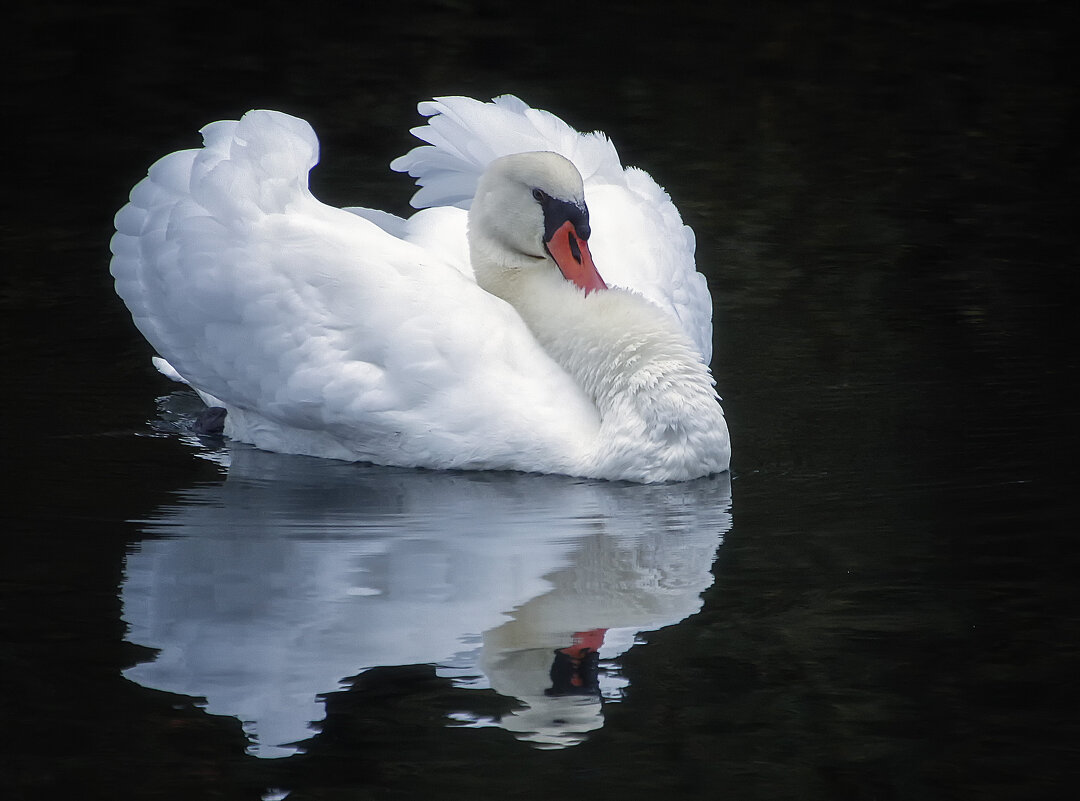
<point>354,334</point>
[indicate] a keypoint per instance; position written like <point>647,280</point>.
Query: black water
<point>883,603</point>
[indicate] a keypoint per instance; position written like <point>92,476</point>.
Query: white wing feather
<point>320,331</point>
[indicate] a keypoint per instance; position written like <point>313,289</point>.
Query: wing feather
<point>300,316</point>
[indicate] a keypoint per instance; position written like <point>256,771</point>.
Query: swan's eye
<point>538,195</point>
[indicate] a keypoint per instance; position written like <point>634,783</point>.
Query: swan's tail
<point>183,219</point>
<point>259,164</point>
<point>464,135</point>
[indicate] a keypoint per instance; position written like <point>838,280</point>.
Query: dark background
<point>884,199</point>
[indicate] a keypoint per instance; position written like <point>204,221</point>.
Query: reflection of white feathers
<point>267,590</point>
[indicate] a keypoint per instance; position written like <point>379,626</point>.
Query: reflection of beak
<point>571,253</point>
<point>584,641</point>
<point>576,669</point>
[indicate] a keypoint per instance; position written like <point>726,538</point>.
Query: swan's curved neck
<point>656,401</point>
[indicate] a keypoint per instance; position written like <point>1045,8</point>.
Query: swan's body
<point>437,341</point>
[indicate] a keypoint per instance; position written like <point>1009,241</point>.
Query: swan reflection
<point>264,592</point>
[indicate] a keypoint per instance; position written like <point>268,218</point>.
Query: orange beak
<point>571,253</point>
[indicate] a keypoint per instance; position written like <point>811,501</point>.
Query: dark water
<point>881,603</point>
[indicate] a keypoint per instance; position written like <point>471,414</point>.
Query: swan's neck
<point>658,409</point>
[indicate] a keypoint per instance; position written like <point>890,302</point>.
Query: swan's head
<point>529,212</point>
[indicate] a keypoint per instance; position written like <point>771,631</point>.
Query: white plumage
<point>355,334</point>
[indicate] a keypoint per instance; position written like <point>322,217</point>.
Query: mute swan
<point>454,339</point>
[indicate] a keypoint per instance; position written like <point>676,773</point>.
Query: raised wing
<point>301,316</point>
